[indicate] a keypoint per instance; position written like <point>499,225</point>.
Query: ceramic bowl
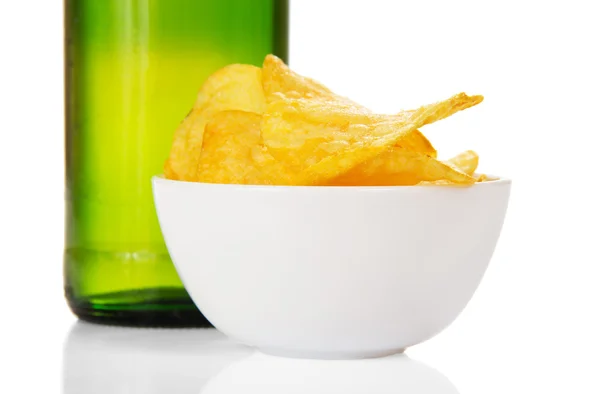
<point>330,272</point>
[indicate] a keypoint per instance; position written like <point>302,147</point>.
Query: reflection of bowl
<point>106,360</point>
<point>263,374</point>
<point>330,272</point>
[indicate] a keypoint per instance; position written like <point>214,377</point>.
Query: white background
<point>532,326</point>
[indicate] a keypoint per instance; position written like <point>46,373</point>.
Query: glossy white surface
<point>105,360</point>
<point>260,373</point>
<point>333,273</point>
<point>66,357</point>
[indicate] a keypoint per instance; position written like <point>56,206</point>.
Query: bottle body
<point>133,68</point>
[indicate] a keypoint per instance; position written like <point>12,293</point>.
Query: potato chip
<point>466,161</point>
<point>307,135</point>
<point>279,80</point>
<point>234,87</point>
<point>232,152</point>
<point>417,142</point>
<point>384,135</point>
<point>399,167</point>
<point>177,166</point>
<point>321,139</point>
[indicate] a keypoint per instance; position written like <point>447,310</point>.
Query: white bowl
<point>330,272</point>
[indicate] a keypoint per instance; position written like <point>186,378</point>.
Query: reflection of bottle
<point>106,360</point>
<point>264,374</point>
<point>133,68</point>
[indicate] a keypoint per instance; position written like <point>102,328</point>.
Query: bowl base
<point>329,355</point>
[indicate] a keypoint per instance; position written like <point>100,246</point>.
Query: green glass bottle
<point>133,68</point>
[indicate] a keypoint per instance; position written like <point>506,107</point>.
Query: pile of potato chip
<point>271,126</point>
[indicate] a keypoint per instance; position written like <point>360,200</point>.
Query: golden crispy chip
<point>177,166</point>
<point>482,178</point>
<point>279,80</point>
<point>232,152</point>
<point>417,142</point>
<point>466,161</point>
<point>321,139</point>
<point>307,136</point>
<point>380,136</point>
<point>399,167</point>
<point>234,87</point>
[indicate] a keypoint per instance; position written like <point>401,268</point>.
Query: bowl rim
<point>496,180</point>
